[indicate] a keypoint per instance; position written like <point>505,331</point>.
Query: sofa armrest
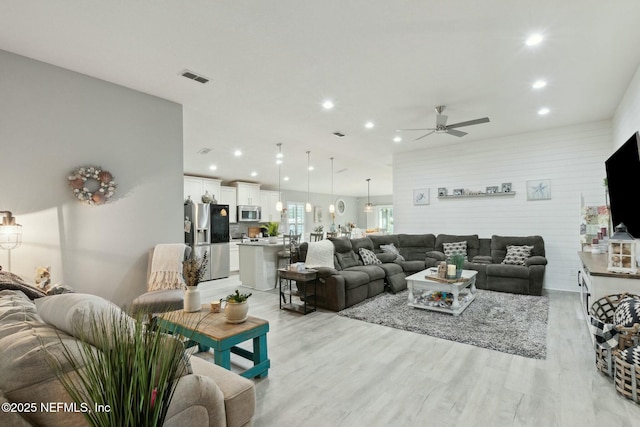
<point>325,271</point>
<point>437,255</point>
<point>482,259</point>
<point>197,401</point>
<point>535,260</point>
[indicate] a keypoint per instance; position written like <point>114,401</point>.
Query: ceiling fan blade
<point>403,130</point>
<point>427,134</point>
<point>441,120</point>
<point>456,132</point>
<point>469,123</point>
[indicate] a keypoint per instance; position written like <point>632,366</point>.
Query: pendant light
<point>368,208</point>
<point>307,207</point>
<point>332,208</point>
<point>279,162</point>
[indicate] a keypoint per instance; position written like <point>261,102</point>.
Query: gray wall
<point>51,122</point>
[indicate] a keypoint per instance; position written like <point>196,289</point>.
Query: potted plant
<point>272,231</point>
<point>120,361</point>
<point>193,270</point>
<point>236,307</point>
<point>458,260</point>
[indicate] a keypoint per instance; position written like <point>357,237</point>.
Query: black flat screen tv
<point>623,181</point>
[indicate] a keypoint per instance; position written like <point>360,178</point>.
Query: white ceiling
<point>272,63</point>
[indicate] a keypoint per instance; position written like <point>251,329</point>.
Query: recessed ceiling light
<point>539,84</point>
<point>286,178</point>
<point>369,125</point>
<point>397,139</point>
<point>534,39</point>
<point>278,161</point>
<point>213,167</point>
<point>237,153</point>
<point>328,104</point>
<point>310,168</point>
<point>543,111</point>
<point>254,173</point>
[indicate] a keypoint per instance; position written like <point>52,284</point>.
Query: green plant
<point>131,368</point>
<point>272,228</point>
<point>193,269</point>
<point>237,297</point>
<point>458,260</point>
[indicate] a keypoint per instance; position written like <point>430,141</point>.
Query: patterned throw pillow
<point>517,255</point>
<point>455,248</point>
<point>391,248</point>
<point>368,257</point>
<point>627,313</point>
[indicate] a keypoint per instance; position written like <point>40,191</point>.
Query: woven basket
<point>604,309</point>
<point>627,379</point>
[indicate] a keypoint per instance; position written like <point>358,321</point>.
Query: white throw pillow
<point>72,314</point>
<point>320,254</point>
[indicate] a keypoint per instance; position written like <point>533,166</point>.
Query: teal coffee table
<point>211,330</point>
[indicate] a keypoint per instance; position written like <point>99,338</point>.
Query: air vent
<point>194,76</point>
<point>204,150</point>
<point>338,134</point>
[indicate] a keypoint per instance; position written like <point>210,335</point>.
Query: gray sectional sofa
<point>350,281</point>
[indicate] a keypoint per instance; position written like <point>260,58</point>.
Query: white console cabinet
<point>596,281</point>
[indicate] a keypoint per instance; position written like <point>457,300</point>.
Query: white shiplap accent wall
<point>626,120</point>
<point>571,157</point>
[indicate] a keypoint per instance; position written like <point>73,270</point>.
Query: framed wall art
<point>421,196</point>
<point>539,189</point>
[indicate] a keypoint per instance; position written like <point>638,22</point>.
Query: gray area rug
<point>510,323</point>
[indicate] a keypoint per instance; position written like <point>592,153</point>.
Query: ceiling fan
<point>442,127</point>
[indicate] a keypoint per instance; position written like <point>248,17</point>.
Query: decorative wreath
<point>92,185</point>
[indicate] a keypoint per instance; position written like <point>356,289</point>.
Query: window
<point>295,216</point>
<point>384,218</point>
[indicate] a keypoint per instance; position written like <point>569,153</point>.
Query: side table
<point>304,279</point>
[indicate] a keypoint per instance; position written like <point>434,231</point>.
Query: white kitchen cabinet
<point>247,193</point>
<point>228,197</point>
<point>196,187</point>
<point>268,200</point>
<point>234,257</point>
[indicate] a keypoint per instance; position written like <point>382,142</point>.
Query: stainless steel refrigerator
<point>206,229</point>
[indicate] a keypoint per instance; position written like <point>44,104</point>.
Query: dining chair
<point>316,237</point>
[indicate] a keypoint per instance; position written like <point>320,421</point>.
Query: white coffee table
<point>422,291</point>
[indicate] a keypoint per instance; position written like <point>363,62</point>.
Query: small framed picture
<point>506,187</point>
<point>539,189</point>
<point>458,191</point>
<point>421,196</point>
<point>442,192</point>
<point>492,189</point>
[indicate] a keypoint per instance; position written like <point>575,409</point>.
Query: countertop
<point>596,265</point>
<point>264,244</point>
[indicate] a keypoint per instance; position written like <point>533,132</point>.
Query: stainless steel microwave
<point>249,213</point>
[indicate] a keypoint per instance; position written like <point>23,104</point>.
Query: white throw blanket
<point>319,254</point>
<point>166,267</point>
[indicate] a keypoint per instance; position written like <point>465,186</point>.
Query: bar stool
<point>316,237</point>
<point>289,249</point>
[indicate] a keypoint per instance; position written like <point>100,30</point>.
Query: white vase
<point>273,239</point>
<point>236,312</point>
<point>192,299</point>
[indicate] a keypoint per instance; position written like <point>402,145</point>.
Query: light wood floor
<point>328,370</point>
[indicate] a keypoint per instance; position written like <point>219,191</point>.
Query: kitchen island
<point>258,269</point>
